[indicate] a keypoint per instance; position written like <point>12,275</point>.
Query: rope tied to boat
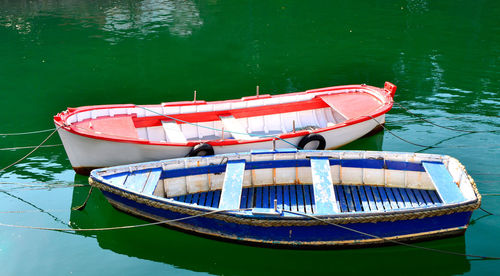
<point>37,147</point>
<point>121,227</point>
<point>399,137</point>
<point>445,127</point>
<point>392,240</point>
<point>30,147</point>
<point>26,133</point>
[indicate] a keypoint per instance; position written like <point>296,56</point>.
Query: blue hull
<point>303,236</point>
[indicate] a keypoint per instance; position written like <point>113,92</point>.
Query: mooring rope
<point>445,127</point>
<point>393,241</point>
<point>401,138</point>
<point>119,227</point>
<point>29,153</point>
<point>32,211</point>
<point>30,147</point>
<point>216,129</point>
<point>26,133</point>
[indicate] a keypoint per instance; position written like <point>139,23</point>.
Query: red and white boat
<point>107,135</point>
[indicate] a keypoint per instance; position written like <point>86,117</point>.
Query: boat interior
<point>243,119</point>
<point>312,182</point>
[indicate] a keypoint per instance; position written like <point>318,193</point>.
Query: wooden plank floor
<point>300,198</point>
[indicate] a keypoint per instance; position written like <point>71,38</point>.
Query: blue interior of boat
<point>300,198</point>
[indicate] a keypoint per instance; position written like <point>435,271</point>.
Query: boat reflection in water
<point>160,244</point>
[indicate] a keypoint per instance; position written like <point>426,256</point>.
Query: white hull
<point>87,153</point>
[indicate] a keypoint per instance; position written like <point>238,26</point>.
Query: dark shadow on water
<point>373,142</point>
<point>194,253</point>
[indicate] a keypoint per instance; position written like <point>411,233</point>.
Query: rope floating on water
<point>30,147</point>
<point>445,127</point>
<point>29,153</point>
<point>401,138</point>
<point>118,227</point>
<point>26,133</point>
<point>394,241</point>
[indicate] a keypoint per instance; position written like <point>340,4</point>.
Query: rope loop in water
<point>26,133</point>
<point>29,153</point>
<point>120,227</point>
<point>399,137</point>
<point>445,127</point>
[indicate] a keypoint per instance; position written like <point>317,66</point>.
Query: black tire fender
<point>201,150</point>
<point>310,138</point>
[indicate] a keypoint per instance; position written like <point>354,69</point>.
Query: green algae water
<point>444,56</point>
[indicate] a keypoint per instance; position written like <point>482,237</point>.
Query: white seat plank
<point>152,182</point>
<point>236,129</point>
<point>442,180</point>
<point>232,187</point>
<point>324,195</point>
<point>173,132</point>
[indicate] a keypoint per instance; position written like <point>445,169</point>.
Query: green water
<point>444,56</point>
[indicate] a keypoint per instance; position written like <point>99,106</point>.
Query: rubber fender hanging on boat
<point>201,150</point>
<point>311,138</point>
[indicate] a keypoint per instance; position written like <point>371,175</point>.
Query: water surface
<point>444,57</point>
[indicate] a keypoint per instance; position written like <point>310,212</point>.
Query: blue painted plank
<point>426,197</point>
<point>181,198</point>
<point>251,198</point>
<point>216,199</point>
<point>383,197</point>
<point>279,196</point>
<point>341,197</point>
<point>404,196</point>
<point>244,197</point>
<point>364,200</point>
<point>189,198</point>
<point>311,196</point>
<point>324,194</point>
<point>348,198</point>
<point>307,199</point>
<point>202,199</point>
<point>357,199</point>
<point>370,198</point>
<point>286,198</point>
<point>391,197</point>
<point>446,188</point>
<point>210,197</point>
<point>272,196</point>
<point>419,197</point>
<point>300,198</point>
<point>265,197</point>
<point>434,196</point>
<point>378,199</point>
<point>293,198</point>
<point>195,198</point>
<point>136,180</point>
<point>398,199</point>
<point>258,197</point>
<point>413,199</point>
<point>117,179</point>
<point>233,184</point>
<point>152,182</point>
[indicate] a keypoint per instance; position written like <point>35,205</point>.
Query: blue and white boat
<point>291,198</point>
